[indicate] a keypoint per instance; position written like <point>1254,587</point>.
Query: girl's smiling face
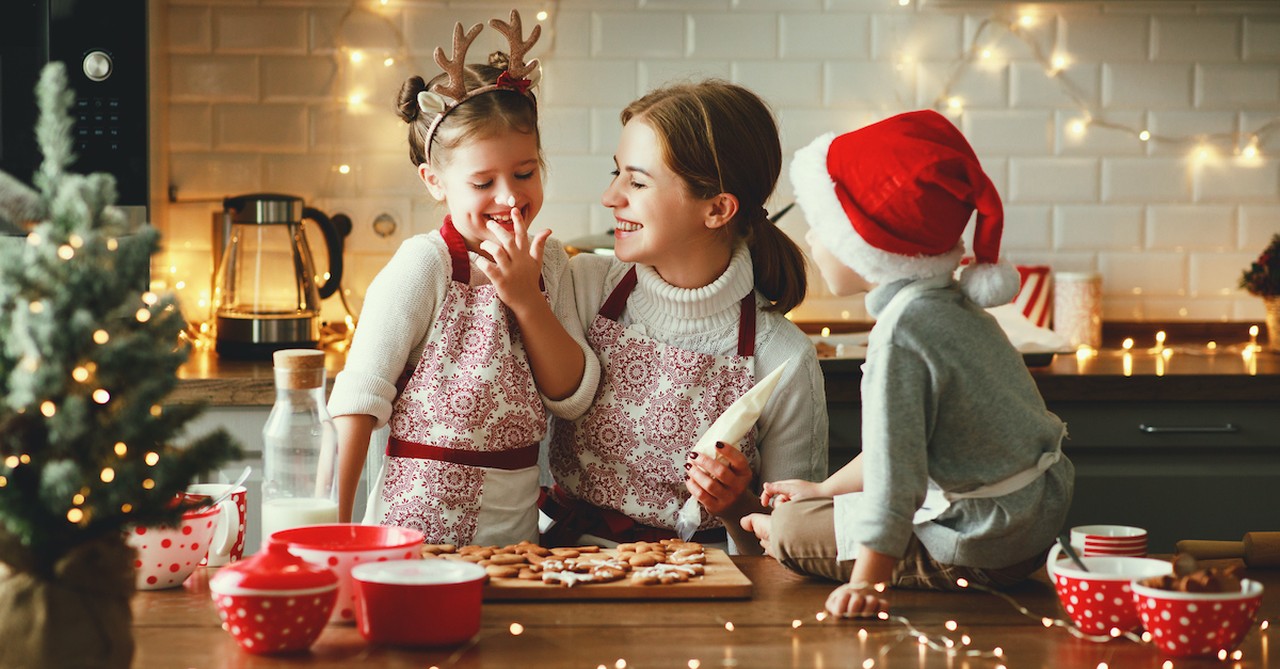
<point>656,220</point>
<point>484,179</point>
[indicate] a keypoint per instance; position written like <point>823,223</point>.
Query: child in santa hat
<point>961,473</point>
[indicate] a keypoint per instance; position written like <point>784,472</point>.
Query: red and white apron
<point>465,426</point>
<point>937,500</point>
<point>619,469</point>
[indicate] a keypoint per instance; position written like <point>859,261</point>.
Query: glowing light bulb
<point>75,515</point>
<point>357,56</point>
<point>1144,136</point>
<point>355,99</point>
<point>729,626</point>
<point>108,475</point>
<point>516,629</point>
<point>66,252</point>
<point>1026,20</point>
<point>955,104</point>
<point>542,15</point>
<point>143,315</point>
<point>48,408</point>
<point>1059,63</point>
<point>344,169</point>
<point>152,458</point>
<point>101,396</point>
<point>985,54</point>
<point>1077,127</point>
<point>148,484</point>
<point>121,449</point>
<point>388,61</point>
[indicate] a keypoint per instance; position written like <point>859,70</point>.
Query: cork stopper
<point>299,368</point>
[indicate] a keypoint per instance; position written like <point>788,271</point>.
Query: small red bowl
<point>274,602</point>
<point>1197,623</point>
<point>418,602</point>
<point>341,546</point>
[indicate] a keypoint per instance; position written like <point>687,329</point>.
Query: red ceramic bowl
<point>274,602</point>
<point>341,546</point>
<point>418,602</point>
<point>1101,599</point>
<point>1197,623</point>
<point>167,555</point>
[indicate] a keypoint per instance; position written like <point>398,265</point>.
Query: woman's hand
<point>857,600</point>
<point>721,483</point>
<point>778,492</point>
<point>516,265</point>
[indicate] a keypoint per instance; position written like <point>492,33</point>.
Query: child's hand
<point>517,261</point>
<point>857,600</point>
<point>778,492</point>
<point>761,525</point>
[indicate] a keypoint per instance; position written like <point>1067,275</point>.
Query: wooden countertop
<point>1186,375</point>
<point>180,628</point>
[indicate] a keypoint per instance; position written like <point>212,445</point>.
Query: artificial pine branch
<point>86,361</point>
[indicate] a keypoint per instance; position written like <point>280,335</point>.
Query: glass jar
<point>300,447</point>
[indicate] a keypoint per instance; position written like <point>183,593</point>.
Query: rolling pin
<point>1259,549</point>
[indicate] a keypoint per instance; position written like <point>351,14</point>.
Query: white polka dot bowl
<point>1100,600</point>
<point>274,602</point>
<point>166,555</point>
<point>341,546</point>
<point>1197,623</point>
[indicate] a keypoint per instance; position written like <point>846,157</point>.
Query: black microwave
<point>103,45</point>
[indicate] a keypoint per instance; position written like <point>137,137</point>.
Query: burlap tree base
<point>77,619</point>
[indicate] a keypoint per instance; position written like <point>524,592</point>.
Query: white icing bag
<point>729,428</point>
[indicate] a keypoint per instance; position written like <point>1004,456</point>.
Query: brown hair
<point>484,115</point>
<point>719,137</point>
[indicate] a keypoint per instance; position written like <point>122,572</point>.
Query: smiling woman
<point>684,320</point>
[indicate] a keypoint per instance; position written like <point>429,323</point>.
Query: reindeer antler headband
<point>519,76</point>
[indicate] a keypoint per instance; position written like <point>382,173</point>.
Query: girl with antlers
<point>685,319</point>
<point>460,346</point>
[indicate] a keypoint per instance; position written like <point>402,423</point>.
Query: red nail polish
<point>688,465</point>
<point>719,444</point>
<point>692,455</point>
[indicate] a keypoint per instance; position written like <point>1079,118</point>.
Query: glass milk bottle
<point>300,447</point>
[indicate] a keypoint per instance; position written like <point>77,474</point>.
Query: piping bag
<point>729,429</point>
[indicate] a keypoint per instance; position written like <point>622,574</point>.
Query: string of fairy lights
<point>1056,62</point>
<point>953,642</point>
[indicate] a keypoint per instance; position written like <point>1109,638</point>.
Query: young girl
<point>961,472</point>
<point>458,346</point>
<point>684,320</point>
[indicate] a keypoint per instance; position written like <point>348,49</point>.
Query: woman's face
<point>656,220</point>
<point>484,179</point>
<point>840,278</point>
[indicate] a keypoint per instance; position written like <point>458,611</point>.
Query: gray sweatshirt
<point>950,399</point>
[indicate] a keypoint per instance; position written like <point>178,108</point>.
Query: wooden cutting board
<point>722,580</point>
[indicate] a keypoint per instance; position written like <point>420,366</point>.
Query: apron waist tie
<point>575,518</point>
<point>515,458</point>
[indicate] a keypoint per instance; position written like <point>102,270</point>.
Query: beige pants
<point>803,538</point>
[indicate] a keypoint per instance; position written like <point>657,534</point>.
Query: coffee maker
<point>266,293</point>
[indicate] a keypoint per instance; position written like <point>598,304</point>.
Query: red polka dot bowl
<point>166,555</point>
<point>1100,600</point>
<point>1197,623</point>
<point>341,546</point>
<point>418,602</point>
<point>274,602</point>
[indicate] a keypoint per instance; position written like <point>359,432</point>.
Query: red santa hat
<point>892,200</point>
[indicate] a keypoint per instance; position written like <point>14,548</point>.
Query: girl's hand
<point>517,261</point>
<point>857,600</point>
<point>778,492</point>
<point>720,483</point>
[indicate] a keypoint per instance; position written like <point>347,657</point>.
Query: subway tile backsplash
<point>269,95</point>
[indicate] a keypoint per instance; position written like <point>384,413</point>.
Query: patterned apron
<point>622,463</point>
<point>465,425</point>
<point>937,501</point>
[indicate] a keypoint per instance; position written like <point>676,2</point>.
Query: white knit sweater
<point>792,431</point>
<point>399,309</point>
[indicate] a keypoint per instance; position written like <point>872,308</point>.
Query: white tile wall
<point>258,100</point>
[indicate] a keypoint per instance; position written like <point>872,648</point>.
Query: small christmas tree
<point>87,357</point>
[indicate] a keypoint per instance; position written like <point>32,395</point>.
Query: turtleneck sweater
<point>792,431</point>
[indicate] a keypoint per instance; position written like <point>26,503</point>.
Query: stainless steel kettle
<point>266,292</point>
